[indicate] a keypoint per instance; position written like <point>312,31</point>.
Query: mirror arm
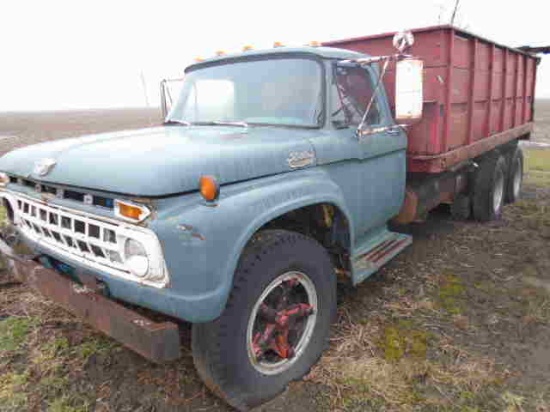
<point>391,129</point>
<point>358,132</point>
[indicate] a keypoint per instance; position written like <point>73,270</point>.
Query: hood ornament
<point>43,166</point>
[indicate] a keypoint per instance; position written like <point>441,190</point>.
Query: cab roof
<point>322,52</point>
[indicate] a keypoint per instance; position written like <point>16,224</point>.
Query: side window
<point>352,91</point>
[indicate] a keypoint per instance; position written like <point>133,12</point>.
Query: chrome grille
<point>76,234</point>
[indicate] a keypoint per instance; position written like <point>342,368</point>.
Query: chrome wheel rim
<point>516,185</point>
<point>498,191</point>
<point>282,322</point>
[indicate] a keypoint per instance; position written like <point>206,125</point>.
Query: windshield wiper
<point>182,122</point>
<point>210,123</point>
<point>223,123</point>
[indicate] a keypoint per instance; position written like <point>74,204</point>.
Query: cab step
<point>377,251</point>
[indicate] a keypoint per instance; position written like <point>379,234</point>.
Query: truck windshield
<point>285,92</point>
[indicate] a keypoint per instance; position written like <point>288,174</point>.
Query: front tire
<point>276,323</point>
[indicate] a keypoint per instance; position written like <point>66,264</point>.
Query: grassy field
<point>458,322</point>
<point>538,167</point>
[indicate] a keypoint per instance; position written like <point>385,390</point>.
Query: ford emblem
<point>88,199</point>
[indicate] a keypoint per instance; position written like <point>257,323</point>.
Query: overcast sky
<point>75,54</point>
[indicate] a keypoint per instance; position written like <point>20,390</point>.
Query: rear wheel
<point>515,175</point>
<point>461,207</point>
<point>276,323</point>
<point>489,187</point>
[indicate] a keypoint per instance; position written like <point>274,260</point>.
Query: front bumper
<point>156,341</point>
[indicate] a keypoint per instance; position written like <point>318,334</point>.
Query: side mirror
<point>168,88</point>
<point>164,99</point>
<point>408,89</point>
<point>403,41</point>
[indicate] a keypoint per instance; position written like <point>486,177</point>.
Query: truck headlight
<point>143,256</point>
<point>136,257</point>
<point>4,179</point>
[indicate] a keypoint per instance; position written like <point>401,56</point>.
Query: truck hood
<point>165,160</point>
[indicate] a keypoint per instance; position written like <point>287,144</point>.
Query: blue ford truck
<point>275,173</point>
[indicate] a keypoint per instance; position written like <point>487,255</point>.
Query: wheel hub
<point>275,335</point>
<point>282,323</point>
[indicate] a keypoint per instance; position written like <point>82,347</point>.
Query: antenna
<point>454,12</point>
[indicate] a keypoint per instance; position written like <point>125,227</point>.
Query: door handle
<point>393,131</point>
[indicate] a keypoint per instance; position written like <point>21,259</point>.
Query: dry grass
<point>43,349</point>
<point>426,371</point>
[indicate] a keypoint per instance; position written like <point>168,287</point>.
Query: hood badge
<point>301,159</point>
<point>43,166</point>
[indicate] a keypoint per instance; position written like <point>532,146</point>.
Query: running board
<point>376,252</point>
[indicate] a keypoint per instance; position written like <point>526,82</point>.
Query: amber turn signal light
<point>130,211</point>
<point>209,188</point>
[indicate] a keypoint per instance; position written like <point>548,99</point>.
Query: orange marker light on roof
<point>199,59</point>
<point>209,187</point>
<point>220,53</point>
<point>278,44</point>
<point>247,47</point>
<point>314,43</point>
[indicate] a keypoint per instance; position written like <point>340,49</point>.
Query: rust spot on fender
<point>191,231</point>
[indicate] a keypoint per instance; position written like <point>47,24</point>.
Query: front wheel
<point>276,323</point>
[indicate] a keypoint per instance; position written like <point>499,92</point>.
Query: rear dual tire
<point>515,175</point>
<point>489,187</point>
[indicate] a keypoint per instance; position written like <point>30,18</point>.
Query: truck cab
<point>259,145</point>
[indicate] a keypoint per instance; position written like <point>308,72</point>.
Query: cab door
<point>372,176</point>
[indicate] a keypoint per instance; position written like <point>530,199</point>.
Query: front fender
<point>202,243</point>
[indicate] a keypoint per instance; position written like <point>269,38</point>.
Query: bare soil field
<point>542,121</point>
<point>458,322</point>
<point>19,129</point>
